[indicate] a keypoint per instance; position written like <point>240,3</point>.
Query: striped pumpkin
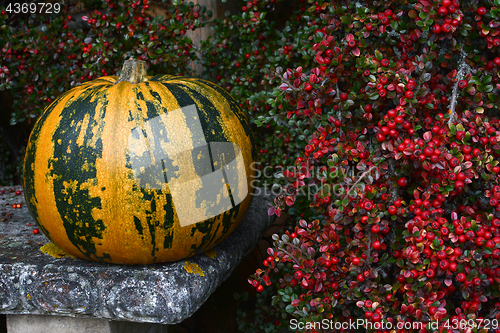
<point>139,170</point>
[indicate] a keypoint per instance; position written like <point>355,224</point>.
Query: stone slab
<point>37,284</point>
<point>60,324</point>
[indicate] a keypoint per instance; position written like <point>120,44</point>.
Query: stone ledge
<point>60,324</point>
<point>34,283</point>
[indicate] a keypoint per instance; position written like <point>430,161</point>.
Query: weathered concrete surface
<point>59,324</point>
<point>34,283</point>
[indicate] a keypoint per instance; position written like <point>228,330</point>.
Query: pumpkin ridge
<point>234,107</point>
<point>77,162</point>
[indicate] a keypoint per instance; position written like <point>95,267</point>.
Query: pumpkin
<point>139,170</point>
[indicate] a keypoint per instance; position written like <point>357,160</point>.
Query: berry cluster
<point>400,168</point>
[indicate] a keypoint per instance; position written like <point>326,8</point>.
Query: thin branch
<point>324,81</point>
<point>359,179</point>
<point>291,255</point>
<point>460,74</point>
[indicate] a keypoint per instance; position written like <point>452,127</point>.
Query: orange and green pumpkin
<point>138,169</point>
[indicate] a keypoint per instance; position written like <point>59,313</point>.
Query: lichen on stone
<point>53,250</point>
<point>193,268</point>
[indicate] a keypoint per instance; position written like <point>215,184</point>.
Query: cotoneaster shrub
<point>73,49</point>
<point>398,184</point>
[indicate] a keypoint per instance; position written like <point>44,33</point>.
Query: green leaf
<point>453,128</point>
<point>474,80</point>
<point>379,55</point>
<point>486,79</point>
<point>346,19</point>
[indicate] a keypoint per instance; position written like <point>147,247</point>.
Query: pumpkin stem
<point>133,71</point>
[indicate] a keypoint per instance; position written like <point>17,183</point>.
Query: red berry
<point>459,185</point>
<point>18,192</point>
<point>442,11</point>
<point>443,264</point>
<point>260,288</point>
<point>481,11</point>
<point>446,27</point>
<point>36,231</point>
<point>436,28</point>
<point>402,182</point>
<point>344,96</point>
<point>462,84</point>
